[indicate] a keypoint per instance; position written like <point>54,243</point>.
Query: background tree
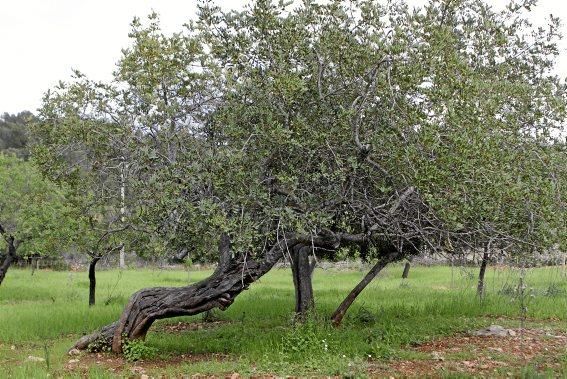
<point>34,216</point>
<point>90,157</point>
<point>14,133</point>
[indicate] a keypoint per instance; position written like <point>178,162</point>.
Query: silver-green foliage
<point>314,118</point>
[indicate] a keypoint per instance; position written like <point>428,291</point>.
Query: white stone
<point>31,358</point>
<point>74,352</point>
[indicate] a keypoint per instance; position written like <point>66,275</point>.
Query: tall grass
<point>50,309</point>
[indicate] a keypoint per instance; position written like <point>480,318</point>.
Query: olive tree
<point>35,218</point>
<point>89,156</point>
<point>298,130</point>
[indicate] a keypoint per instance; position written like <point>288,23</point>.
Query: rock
<point>144,376</point>
<point>12,347</point>
<point>138,370</point>
<point>494,331</point>
<point>495,349</point>
<point>437,356</point>
<point>72,361</point>
<point>74,352</point>
<point>31,358</point>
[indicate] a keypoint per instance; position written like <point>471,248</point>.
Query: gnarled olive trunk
<point>341,310</point>
<point>9,258</point>
<point>302,266</point>
<point>231,277</point>
<point>92,281</point>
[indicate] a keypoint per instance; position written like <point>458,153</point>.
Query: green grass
<point>44,313</point>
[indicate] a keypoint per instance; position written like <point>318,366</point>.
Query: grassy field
<point>413,327</point>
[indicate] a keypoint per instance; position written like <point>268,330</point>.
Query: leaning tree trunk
<point>340,312</point>
<point>92,281</point>
<point>231,277</point>
<point>302,270</point>
<point>10,257</point>
<point>483,264</point>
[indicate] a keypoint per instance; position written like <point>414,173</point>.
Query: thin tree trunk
<point>10,257</point>
<point>122,263</point>
<point>92,281</point>
<point>33,265</point>
<point>407,267</point>
<point>483,264</point>
<point>302,270</point>
<point>341,310</point>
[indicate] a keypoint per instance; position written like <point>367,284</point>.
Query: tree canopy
<point>323,125</point>
<point>35,218</point>
<point>318,118</point>
<point>32,209</point>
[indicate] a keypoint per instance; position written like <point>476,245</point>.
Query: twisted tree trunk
<point>231,277</point>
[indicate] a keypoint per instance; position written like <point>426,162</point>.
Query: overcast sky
<point>41,40</point>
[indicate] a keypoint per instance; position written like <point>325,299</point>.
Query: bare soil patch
<point>189,326</point>
<point>120,366</point>
<point>482,356</point>
<point>479,356</point>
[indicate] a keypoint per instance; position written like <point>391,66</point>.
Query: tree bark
<point>341,310</point>
<point>92,281</point>
<point>10,257</point>
<point>407,267</point>
<point>218,291</point>
<point>302,270</point>
<point>180,256</point>
<point>364,250</point>
<point>483,264</point>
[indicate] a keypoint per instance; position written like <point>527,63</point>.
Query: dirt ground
<point>482,356</point>
<point>464,354</point>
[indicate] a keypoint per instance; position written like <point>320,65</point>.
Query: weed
<point>305,340</point>
<point>555,290</point>
<point>46,354</point>
<point>135,350</point>
<point>365,316</point>
<point>210,316</point>
<point>99,345</point>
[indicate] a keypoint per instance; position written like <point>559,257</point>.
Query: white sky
<point>42,40</point>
